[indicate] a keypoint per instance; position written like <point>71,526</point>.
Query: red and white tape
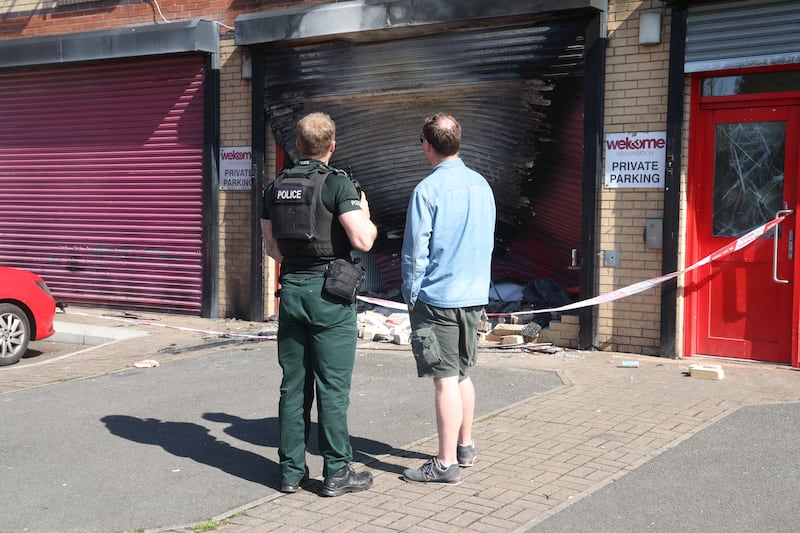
<point>629,290</point>
<point>179,328</point>
<point>738,244</point>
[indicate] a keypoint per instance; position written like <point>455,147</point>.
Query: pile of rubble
<point>374,326</point>
<point>523,336</point>
<point>395,328</point>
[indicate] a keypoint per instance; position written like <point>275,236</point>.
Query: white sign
<point>635,159</point>
<point>235,169</point>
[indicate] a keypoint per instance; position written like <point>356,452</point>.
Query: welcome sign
<point>235,172</point>
<point>635,160</point>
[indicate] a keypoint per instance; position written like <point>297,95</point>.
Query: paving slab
<point>734,475</point>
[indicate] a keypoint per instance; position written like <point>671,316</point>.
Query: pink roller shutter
<point>101,180</point>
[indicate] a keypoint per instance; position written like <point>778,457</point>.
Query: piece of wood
<point>501,330</point>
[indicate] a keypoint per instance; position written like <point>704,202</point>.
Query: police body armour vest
<point>301,223</point>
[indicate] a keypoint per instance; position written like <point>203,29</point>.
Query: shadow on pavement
<point>194,441</point>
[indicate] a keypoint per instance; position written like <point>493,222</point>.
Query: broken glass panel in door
<point>748,175</point>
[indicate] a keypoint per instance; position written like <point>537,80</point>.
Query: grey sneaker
<point>432,471</point>
<point>466,454</point>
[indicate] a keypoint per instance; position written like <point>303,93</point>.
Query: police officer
<point>312,214</point>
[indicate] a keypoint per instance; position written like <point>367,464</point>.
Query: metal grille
<point>727,35</point>
<point>499,82</point>
<point>101,180</point>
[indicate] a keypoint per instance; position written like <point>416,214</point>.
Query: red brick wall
<point>31,18</point>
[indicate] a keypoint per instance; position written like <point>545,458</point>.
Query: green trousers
<point>317,338</point>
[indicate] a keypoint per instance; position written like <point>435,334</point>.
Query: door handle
<point>775,278</point>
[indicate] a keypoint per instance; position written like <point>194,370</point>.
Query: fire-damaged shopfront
<point>518,78</point>
<point>638,154</point>
<point>633,149</point>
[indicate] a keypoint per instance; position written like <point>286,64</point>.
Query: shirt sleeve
<point>341,195</point>
<point>416,246</point>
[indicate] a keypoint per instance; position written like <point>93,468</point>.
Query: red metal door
<point>745,172</point>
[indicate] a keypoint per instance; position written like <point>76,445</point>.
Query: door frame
<point>700,105</point>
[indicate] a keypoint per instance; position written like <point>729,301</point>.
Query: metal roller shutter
<point>516,90</point>
<point>727,35</point>
<point>101,173</point>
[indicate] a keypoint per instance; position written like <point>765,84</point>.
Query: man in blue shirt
<point>446,271</point>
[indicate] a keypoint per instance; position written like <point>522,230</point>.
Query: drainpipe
<point>209,306</point>
<point>672,181</point>
<point>259,143</point>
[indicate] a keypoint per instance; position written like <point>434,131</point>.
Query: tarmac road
<point>196,437</point>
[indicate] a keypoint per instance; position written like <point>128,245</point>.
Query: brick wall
<point>235,217</point>
<point>635,101</point>
<point>29,18</point>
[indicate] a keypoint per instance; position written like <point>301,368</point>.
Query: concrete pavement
<point>547,456</point>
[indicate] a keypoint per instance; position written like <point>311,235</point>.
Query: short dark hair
<point>443,133</point>
<point>315,132</point>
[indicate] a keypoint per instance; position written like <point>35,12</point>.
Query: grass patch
<point>209,525</point>
<point>487,417</point>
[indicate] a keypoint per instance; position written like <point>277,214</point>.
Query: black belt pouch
<point>343,279</point>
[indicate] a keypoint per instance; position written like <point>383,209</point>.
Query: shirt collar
<point>455,162</point>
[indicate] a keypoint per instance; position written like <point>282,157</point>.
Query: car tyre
<point>15,333</point>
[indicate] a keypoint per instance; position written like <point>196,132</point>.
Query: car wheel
<point>15,332</point>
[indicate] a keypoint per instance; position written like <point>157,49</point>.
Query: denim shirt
<point>449,237</point>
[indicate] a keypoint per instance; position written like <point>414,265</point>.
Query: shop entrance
<point>742,176</point>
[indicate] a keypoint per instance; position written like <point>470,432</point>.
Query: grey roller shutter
<point>728,35</point>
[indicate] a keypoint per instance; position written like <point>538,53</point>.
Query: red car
<point>26,312</point>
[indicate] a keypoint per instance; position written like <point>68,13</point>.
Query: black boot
<point>346,480</point>
<point>291,488</point>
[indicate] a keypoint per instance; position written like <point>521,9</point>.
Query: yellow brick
<point>706,371</point>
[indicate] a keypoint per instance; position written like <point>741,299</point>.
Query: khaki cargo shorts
<point>444,340</point>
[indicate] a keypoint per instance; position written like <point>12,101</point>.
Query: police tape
<point>380,302</point>
<point>735,246</point>
<point>137,322</point>
<point>629,290</point>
